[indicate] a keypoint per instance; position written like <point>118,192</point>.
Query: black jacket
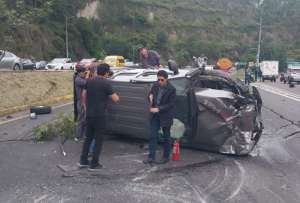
<point>167,103</point>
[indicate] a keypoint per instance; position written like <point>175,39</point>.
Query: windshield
<point>27,61</point>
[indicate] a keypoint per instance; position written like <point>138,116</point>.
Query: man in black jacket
<point>162,108</point>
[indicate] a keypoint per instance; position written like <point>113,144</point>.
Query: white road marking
<point>27,116</point>
<point>278,91</point>
<point>219,185</point>
<point>241,183</point>
<point>196,190</point>
<point>144,174</point>
<point>40,198</point>
<point>274,194</point>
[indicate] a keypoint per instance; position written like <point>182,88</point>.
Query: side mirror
<point>173,66</point>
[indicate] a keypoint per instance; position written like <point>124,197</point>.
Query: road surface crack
<point>292,134</point>
<point>291,122</point>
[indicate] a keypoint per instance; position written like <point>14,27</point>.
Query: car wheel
<point>61,68</point>
<point>40,109</point>
<point>17,67</point>
<point>291,85</point>
<point>284,81</point>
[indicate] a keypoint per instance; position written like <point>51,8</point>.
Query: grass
<point>20,90</point>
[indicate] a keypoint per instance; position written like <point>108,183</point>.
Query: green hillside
<point>178,29</point>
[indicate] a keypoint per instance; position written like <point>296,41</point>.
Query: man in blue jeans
<point>162,108</point>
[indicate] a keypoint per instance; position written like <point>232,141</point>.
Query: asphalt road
<point>37,172</point>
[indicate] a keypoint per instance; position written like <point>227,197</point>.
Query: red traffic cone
<point>176,151</point>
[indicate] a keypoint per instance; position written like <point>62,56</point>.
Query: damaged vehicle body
<point>214,112</point>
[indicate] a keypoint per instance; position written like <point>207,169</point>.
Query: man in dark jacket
<point>162,108</point>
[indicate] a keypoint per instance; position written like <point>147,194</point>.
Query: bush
<point>63,127</point>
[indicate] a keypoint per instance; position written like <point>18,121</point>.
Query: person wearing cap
<point>98,91</point>
<point>162,99</point>
<point>79,83</point>
<point>149,58</point>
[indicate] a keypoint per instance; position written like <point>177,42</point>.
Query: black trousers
<point>95,130</point>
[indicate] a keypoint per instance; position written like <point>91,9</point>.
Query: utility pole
<point>260,8</point>
<point>67,39</point>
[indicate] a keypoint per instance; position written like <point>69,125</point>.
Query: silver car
<point>9,61</point>
<point>214,111</point>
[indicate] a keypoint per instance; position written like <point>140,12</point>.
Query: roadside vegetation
<point>63,127</point>
<point>177,29</point>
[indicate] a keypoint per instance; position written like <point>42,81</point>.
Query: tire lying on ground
<point>40,109</point>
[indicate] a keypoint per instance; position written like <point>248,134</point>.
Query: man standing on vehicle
<point>149,58</point>
<point>162,108</point>
<point>98,92</point>
<point>80,82</point>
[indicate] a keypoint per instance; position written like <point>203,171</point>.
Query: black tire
<point>17,67</point>
<point>284,81</point>
<point>61,68</point>
<point>40,109</point>
<point>291,85</point>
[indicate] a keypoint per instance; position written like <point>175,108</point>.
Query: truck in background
<point>269,70</point>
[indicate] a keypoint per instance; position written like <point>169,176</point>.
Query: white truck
<point>269,70</point>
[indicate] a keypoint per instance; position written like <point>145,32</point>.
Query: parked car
<point>41,65</point>
<point>10,61</point>
<point>293,74</point>
<point>28,64</point>
<point>115,61</point>
<point>61,64</point>
<point>214,111</point>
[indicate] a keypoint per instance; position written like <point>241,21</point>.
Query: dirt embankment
<point>20,90</point>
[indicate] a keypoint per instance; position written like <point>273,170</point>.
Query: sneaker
<point>98,167</point>
<point>148,161</point>
<point>163,161</point>
<point>83,165</point>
